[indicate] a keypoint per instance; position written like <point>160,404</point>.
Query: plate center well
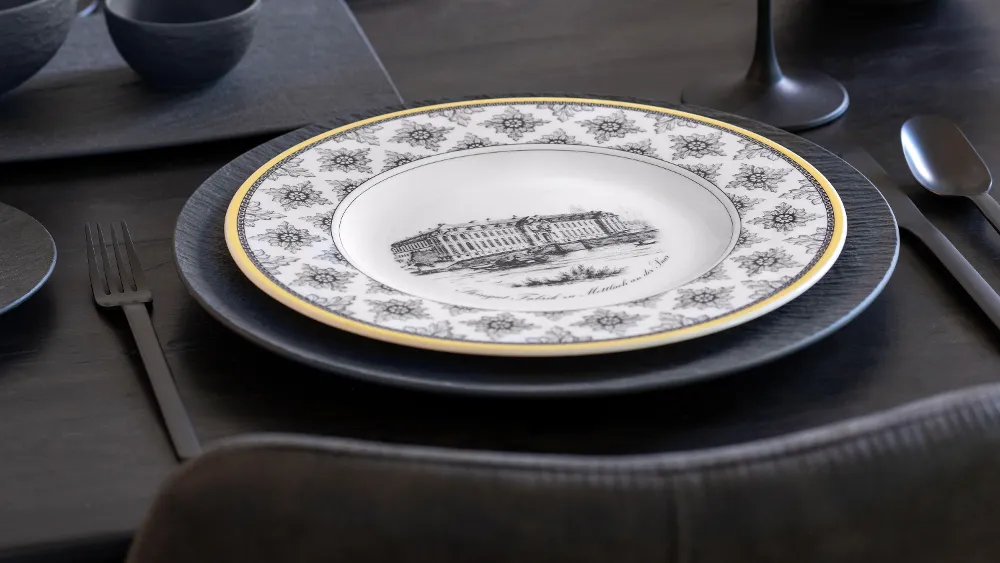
<point>536,227</point>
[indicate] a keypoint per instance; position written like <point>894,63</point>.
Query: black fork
<point>119,282</point>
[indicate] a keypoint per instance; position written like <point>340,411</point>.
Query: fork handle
<point>179,426</point>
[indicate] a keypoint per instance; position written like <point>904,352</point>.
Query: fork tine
<point>123,265</point>
<point>97,281</point>
<point>112,275</point>
<point>133,258</point>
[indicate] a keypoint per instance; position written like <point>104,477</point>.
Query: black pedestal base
<point>799,101</point>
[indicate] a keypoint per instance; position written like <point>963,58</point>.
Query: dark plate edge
<point>619,386</point>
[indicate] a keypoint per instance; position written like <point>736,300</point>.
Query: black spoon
<point>944,162</point>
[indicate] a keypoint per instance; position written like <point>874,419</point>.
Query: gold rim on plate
<point>262,281</point>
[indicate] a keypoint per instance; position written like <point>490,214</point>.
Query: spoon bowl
<point>943,160</point>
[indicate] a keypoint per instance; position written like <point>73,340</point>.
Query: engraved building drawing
<point>453,243</point>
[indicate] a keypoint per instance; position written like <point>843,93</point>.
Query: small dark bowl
<point>181,44</point>
<point>31,31</point>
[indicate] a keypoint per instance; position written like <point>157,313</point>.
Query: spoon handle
<point>989,207</point>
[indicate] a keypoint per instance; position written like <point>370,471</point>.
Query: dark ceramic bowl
<point>181,44</point>
<point>31,31</point>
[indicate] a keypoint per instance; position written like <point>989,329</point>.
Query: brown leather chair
<point>916,484</point>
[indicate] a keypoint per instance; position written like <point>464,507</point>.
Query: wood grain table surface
<point>81,448</point>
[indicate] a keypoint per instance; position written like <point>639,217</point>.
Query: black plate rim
<point>44,276</point>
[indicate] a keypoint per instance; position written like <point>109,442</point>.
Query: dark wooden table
<point>81,448</point>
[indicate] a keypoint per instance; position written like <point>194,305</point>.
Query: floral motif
<point>345,160</point>
<point>696,145</point>
<point>753,149</point>
<point>331,254</point>
<point>364,135</point>
<point>459,310</point>
<point>812,242</point>
<point>564,112</point>
<point>784,218</point>
<point>322,221</point>
<point>743,203</point>
<point>766,288</point>
<point>716,273</point>
<point>770,260</point>
<point>704,298</point>
<point>674,321</point>
<point>606,127</point>
<point>379,287</point>
<point>648,302</point>
<point>644,148</point>
<point>499,326</point>
<point>513,123</point>
<point>440,329</point>
<point>299,195</point>
<point>254,213</point>
<point>336,304</point>
<point>324,278</point>
<point>752,177</point>
<point>615,322</point>
<point>288,237</point>
<point>397,310</point>
<point>344,187</point>
<point>271,263</point>
<point>666,122</point>
<point>473,142</point>
<point>293,168</point>
<point>746,239</point>
<point>420,135</point>
<point>558,335</point>
<point>707,171</point>
<point>806,190</point>
<point>460,116</point>
<point>558,137</point>
<point>396,159</point>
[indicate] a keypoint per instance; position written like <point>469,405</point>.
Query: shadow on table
<point>843,30</point>
<point>24,327</point>
<point>251,390</point>
<point>112,97</point>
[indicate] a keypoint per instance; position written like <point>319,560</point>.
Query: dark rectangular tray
<point>308,59</point>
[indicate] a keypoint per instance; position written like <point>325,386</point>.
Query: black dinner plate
<point>857,277</point>
<point>27,257</point>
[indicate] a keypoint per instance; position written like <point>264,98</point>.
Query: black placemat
<point>27,256</point>
<point>309,60</point>
<point>859,274</point>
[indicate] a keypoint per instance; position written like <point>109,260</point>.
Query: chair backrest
<point>916,484</point>
<point>298,500</point>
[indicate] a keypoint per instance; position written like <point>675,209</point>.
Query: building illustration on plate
<point>456,243</point>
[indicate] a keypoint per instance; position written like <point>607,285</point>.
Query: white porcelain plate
<point>536,226</point>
